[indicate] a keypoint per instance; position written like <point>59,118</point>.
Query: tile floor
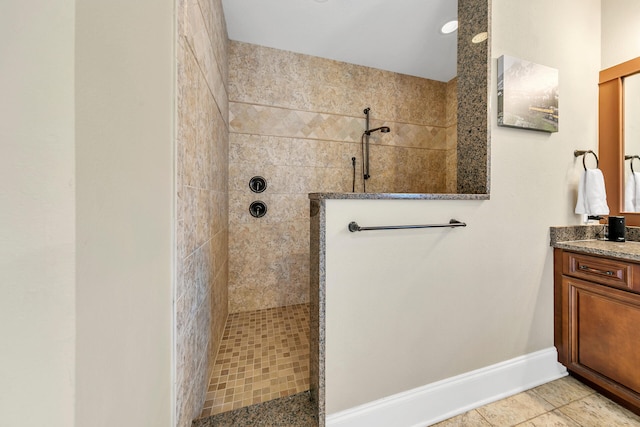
<point>263,355</point>
<point>562,403</point>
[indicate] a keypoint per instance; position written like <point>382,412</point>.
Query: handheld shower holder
<point>365,145</point>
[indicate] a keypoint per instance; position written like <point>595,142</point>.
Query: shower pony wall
<point>297,120</point>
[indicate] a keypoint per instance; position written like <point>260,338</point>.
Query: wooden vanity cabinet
<point>597,322</point>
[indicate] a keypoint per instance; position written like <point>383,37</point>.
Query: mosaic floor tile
<point>263,355</point>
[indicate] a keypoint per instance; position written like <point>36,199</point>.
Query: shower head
<point>383,129</point>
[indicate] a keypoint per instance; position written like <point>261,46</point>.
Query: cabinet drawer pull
<point>595,270</point>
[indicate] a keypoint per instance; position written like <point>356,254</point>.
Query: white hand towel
<point>632,193</point>
<point>592,196</point>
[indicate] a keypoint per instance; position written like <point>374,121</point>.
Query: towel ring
<point>631,162</point>
<point>584,153</point>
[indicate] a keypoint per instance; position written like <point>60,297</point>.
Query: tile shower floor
<point>263,355</point>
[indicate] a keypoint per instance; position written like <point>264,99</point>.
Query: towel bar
<point>584,153</point>
<point>353,226</point>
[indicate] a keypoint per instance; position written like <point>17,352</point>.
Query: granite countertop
<point>387,196</point>
<point>624,250</point>
<point>589,239</point>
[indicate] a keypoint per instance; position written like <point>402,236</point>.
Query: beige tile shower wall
<point>297,121</point>
<point>202,199</point>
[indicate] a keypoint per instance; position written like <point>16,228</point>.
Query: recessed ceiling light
<point>449,27</point>
<point>480,37</point>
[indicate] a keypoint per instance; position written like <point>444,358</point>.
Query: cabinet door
<point>603,333</point>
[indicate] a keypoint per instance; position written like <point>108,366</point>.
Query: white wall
<point>37,213</point>
<point>110,118</point>
<point>408,308</point>
<point>620,31</point>
<point>125,212</point>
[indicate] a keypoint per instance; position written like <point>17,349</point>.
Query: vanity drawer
<point>607,271</point>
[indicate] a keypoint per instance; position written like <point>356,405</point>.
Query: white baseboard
<point>438,401</point>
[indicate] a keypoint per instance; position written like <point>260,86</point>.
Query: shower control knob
<point>258,184</point>
<point>258,209</point>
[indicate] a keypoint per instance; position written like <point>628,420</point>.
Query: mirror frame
<point>611,135</point>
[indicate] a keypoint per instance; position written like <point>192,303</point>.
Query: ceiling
<point>402,36</point>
